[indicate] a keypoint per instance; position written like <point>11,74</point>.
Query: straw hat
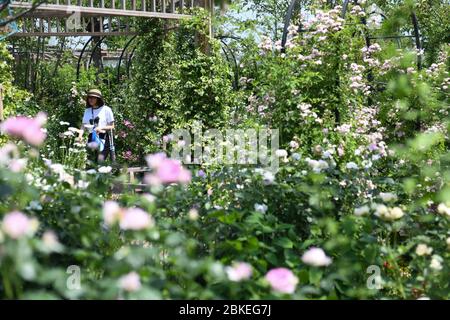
<point>95,93</point>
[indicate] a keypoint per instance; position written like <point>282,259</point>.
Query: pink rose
<point>172,171</point>
<point>130,282</point>
<point>111,212</point>
<point>16,224</point>
<point>136,219</point>
<point>166,170</point>
<point>239,271</point>
<point>155,160</point>
<point>128,124</point>
<point>282,280</point>
<point>27,129</point>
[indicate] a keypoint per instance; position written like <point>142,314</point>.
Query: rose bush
<point>359,207</point>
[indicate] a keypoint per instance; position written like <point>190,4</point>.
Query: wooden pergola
<point>67,18</point>
<point>95,20</point>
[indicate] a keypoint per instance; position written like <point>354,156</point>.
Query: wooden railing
<point>99,17</point>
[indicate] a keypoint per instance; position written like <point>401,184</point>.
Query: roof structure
<point>68,18</point>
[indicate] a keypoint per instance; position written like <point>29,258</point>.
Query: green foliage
<point>177,84</point>
<point>363,172</point>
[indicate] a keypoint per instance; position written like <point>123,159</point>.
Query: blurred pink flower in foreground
<point>27,129</point>
<point>136,219</point>
<point>155,160</point>
<point>16,224</point>
<point>282,280</point>
<point>239,271</point>
<point>128,219</point>
<point>130,282</point>
<point>166,170</point>
<point>112,212</point>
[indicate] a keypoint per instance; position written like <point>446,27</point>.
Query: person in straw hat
<point>99,117</point>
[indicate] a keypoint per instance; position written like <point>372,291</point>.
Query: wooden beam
<point>72,34</point>
<point>103,11</point>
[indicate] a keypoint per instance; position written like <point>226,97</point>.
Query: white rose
<point>280,153</point>
<point>362,210</point>
<point>193,214</point>
<point>316,257</point>
<point>260,208</point>
<point>293,144</point>
<point>352,166</point>
<point>396,213</point>
<point>268,177</point>
<point>388,196</point>
<point>422,250</point>
<point>436,263</point>
<point>388,214</point>
<point>443,209</point>
<point>380,210</point>
<point>105,169</point>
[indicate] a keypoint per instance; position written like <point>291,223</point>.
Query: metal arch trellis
<point>129,61</point>
<point>416,33</point>
<point>97,44</point>
<point>105,26</point>
<point>122,54</point>
<point>81,56</point>
<point>294,5</point>
<point>130,57</point>
<point>233,56</point>
<point>417,37</point>
<point>287,21</point>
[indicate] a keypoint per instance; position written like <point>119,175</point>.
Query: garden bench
<point>133,182</point>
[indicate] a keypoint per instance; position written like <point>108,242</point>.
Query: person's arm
<point>81,132</point>
<point>110,126</point>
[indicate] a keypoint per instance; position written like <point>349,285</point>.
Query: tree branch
<point>19,15</point>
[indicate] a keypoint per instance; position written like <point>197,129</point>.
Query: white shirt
<point>104,113</point>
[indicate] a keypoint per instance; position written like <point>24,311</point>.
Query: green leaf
<point>315,275</point>
<point>284,243</point>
